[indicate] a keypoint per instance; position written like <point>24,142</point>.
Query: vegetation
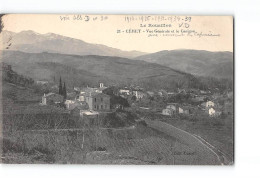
<point>114,98</point>
<point>12,77</point>
<point>218,131</point>
<point>118,119</point>
<point>62,90</point>
<point>48,134</point>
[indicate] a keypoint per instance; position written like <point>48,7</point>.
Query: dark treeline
<point>62,89</point>
<point>12,77</point>
<point>210,83</point>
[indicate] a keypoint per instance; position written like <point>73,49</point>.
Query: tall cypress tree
<point>64,91</point>
<point>60,88</point>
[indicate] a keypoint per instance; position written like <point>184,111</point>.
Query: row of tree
<point>62,89</point>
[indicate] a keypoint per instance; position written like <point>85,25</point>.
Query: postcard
<point>117,89</point>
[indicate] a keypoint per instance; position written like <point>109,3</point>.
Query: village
<point>69,96</point>
<point>87,102</point>
<point>103,117</point>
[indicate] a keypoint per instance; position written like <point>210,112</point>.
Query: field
<point>140,145</point>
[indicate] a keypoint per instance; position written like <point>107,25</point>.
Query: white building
<point>138,94</point>
<point>69,103</point>
<point>180,110</point>
<point>208,104</point>
<point>211,112</point>
<point>88,113</point>
<point>167,112</point>
<point>124,91</point>
<point>41,82</point>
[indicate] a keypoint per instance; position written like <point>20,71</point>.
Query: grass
<point>142,146</point>
<point>218,132</point>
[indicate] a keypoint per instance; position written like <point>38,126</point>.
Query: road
<point>210,154</point>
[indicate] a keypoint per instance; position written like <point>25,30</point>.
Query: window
<point>102,99</point>
<point>101,106</point>
<point>95,99</point>
<point>95,106</point>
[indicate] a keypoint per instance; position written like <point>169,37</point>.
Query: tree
<point>60,87</point>
<point>64,91</point>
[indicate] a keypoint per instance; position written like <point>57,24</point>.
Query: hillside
<point>196,62</point>
<point>90,70</point>
<point>32,42</point>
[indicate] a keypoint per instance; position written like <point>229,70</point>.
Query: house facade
<point>69,104</point>
<point>208,104</point>
<point>181,110</point>
<point>96,101</point>
<point>213,112</point>
<point>42,82</point>
<point>124,91</point>
<point>138,94</point>
<point>167,112</point>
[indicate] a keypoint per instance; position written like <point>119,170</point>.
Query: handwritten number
<point>86,18</point>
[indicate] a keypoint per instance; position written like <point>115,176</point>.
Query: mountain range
<point>196,62</point>
<point>32,42</point>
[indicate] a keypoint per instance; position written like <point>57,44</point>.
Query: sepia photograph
<point>117,89</point>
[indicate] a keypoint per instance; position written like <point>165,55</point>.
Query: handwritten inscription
<point>80,17</point>
<point>165,26</point>
<point>157,18</point>
<point>149,25</point>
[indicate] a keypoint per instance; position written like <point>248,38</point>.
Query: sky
<point>104,29</point>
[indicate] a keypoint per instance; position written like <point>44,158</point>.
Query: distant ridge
<point>196,62</point>
<point>90,70</point>
<point>32,42</point>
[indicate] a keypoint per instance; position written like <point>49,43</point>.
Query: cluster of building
<point>83,101</point>
<point>174,108</point>
<point>208,107</point>
<point>200,101</point>
<point>92,101</point>
<point>138,93</point>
